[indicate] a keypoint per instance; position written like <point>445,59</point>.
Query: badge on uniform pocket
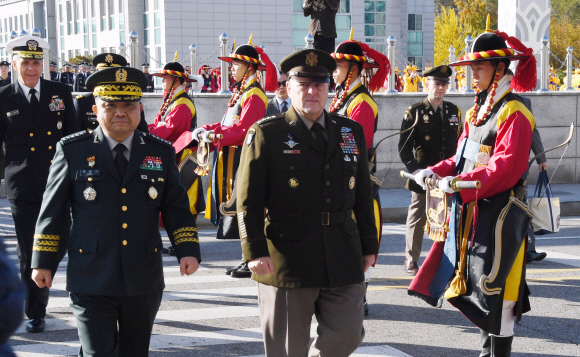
<point>12,113</point>
<point>59,125</point>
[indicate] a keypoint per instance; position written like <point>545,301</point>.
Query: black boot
<point>501,346</point>
<point>242,272</point>
<point>485,344</point>
<point>365,302</point>
<point>231,269</point>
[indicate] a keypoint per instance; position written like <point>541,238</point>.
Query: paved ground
<point>211,314</point>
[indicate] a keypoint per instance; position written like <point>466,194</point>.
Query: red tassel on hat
<point>525,78</point>
<point>271,72</point>
<point>199,70</point>
<point>384,69</point>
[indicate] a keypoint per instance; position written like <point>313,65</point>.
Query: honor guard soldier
<point>354,101</point>
<point>308,170</point>
<point>174,123</point>
<point>34,115</point>
<point>84,102</point>
<point>117,180</point>
<point>433,139</point>
<point>53,72</point>
<point>150,83</point>
<point>80,78</point>
<point>482,271</point>
<point>67,77</point>
<point>247,105</point>
<point>5,75</point>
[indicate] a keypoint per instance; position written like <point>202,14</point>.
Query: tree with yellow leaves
<point>563,33</point>
<point>448,32</point>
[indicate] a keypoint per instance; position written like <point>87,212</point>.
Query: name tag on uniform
<point>89,172</point>
<point>291,151</point>
<point>12,113</point>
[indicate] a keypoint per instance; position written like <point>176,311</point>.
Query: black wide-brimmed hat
<point>117,84</point>
<point>105,60</point>
<point>174,69</point>
<point>315,64</point>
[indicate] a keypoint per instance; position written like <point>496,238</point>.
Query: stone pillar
<point>528,20</point>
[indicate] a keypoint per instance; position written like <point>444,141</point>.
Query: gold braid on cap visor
<point>115,90</point>
<point>105,65</point>
<point>29,54</point>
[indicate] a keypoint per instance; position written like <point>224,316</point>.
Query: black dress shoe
<point>35,325</point>
<point>411,267</point>
<point>242,272</point>
<point>231,269</point>
<point>171,251</point>
<point>534,256</point>
<point>164,250</point>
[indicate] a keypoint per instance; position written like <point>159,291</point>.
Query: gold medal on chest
<point>153,192</point>
<point>293,182</point>
<point>90,194</point>
<point>426,118</point>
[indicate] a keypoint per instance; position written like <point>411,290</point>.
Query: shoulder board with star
<point>79,96</point>
<point>76,136</point>
<point>157,139</point>
<point>271,117</point>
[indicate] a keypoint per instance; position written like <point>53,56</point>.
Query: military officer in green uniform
<point>433,139</point>
<point>309,169</point>
<point>117,180</point>
<point>84,102</point>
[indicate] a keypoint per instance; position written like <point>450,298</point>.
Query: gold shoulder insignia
<point>79,96</point>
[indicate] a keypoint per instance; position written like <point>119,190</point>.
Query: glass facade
<point>375,24</point>
<point>415,39</point>
<point>300,23</point>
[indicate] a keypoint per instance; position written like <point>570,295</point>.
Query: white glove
<point>421,176</point>
<point>445,184</point>
<point>196,132</point>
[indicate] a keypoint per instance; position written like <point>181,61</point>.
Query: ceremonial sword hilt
<point>456,184</point>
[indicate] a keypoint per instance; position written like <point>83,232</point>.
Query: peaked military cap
<point>66,64</point>
<point>175,69</point>
<point>53,63</point>
<point>316,64</point>
<point>117,84</point>
<point>439,73</point>
<point>28,46</point>
<point>105,60</point>
<point>145,65</point>
<point>5,63</point>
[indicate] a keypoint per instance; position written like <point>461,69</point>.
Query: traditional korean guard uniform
<point>354,101</point>
<point>247,105</point>
<point>433,139</point>
<point>483,258</point>
<point>32,121</point>
<point>116,190</point>
<point>204,71</point>
<point>84,102</point>
<point>177,119</point>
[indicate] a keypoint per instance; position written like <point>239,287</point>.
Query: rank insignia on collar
<point>91,161</point>
<point>345,129</point>
<point>90,194</point>
<point>152,163</point>
<point>59,125</point>
<point>291,143</point>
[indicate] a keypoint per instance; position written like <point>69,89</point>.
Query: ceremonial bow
<point>566,142</point>
<point>373,151</point>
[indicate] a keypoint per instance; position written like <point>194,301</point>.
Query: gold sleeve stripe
<point>242,226</point>
<point>47,236</point>
<point>182,240</point>
<point>363,97</point>
<point>185,229</point>
<point>185,234</point>
<point>186,102</point>
<point>255,91</point>
<point>511,108</point>
<point>45,249</point>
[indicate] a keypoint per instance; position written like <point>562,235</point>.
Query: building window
<point>69,17</point>
<point>418,61</point>
<point>415,39</point>
<point>415,22</point>
<point>103,14</point>
<point>375,24</point>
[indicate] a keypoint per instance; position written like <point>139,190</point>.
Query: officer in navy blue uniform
<point>84,102</point>
<point>80,78</point>
<point>67,77</point>
<point>34,115</point>
<point>117,181</point>
<point>5,75</point>
<point>150,83</point>
<point>53,72</point>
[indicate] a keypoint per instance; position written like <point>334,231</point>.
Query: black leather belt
<point>323,218</point>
